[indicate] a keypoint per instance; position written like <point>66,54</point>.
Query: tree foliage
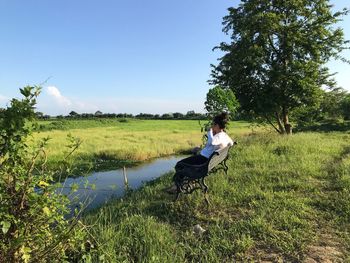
<point>332,104</point>
<point>221,100</point>
<point>345,107</point>
<point>275,62</point>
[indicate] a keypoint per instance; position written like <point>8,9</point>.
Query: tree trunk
<point>279,122</point>
<point>271,123</point>
<point>287,125</point>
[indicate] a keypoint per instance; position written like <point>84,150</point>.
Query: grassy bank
<point>285,198</point>
<point>110,144</point>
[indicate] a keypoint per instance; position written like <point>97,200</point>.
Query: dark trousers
<point>192,160</point>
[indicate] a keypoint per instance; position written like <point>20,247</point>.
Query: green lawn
<point>284,199</point>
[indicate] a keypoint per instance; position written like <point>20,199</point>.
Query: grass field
<point>284,199</point>
<point>110,144</point>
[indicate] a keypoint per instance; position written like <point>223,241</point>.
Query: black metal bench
<point>189,178</point>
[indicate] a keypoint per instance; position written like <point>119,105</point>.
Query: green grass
<point>66,124</point>
<point>282,198</point>
<point>110,144</point>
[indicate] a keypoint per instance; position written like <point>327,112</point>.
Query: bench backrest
<point>218,157</point>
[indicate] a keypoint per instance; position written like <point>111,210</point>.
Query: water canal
<point>110,184</point>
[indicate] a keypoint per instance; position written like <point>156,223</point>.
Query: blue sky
<point>116,55</point>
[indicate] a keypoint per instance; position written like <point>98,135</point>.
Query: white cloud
<point>56,94</point>
<point>53,102</point>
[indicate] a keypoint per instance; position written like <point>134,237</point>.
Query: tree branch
<point>271,123</point>
<point>279,123</point>
<point>273,46</point>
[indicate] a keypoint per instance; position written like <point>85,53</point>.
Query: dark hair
<point>221,120</point>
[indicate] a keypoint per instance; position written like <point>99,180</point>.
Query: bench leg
<point>205,191</point>
<point>225,167</point>
<point>177,196</point>
<point>178,191</point>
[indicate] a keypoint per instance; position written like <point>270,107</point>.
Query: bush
<point>123,120</point>
<point>33,215</point>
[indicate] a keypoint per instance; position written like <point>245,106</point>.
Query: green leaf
<point>102,258</point>
<point>47,211</point>
<point>43,184</point>
<point>74,187</point>
<point>5,226</point>
<point>25,253</point>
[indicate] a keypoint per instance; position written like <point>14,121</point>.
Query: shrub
<point>33,215</point>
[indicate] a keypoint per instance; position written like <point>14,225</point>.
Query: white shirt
<point>216,142</point>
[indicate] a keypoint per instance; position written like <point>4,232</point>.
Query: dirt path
<point>329,247</point>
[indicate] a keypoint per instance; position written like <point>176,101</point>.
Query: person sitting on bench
<point>217,139</point>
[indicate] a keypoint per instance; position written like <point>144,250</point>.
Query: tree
<point>73,114</point>
<point>98,113</point>
<point>221,100</point>
<point>345,107</point>
<point>275,62</point>
<point>144,116</point>
<point>167,116</point>
<point>331,104</point>
<point>334,106</point>
<point>178,115</point>
<point>39,114</point>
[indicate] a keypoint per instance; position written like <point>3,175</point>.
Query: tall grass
<point>281,197</point>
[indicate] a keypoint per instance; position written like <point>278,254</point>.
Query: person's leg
<point>194,160</point>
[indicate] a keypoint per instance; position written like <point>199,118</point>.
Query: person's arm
<point>209,137</point>
<point>215,140</point>
<point>230,141</point>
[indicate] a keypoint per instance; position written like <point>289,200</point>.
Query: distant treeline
<point>333,105</point>
<point>190,115</point>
